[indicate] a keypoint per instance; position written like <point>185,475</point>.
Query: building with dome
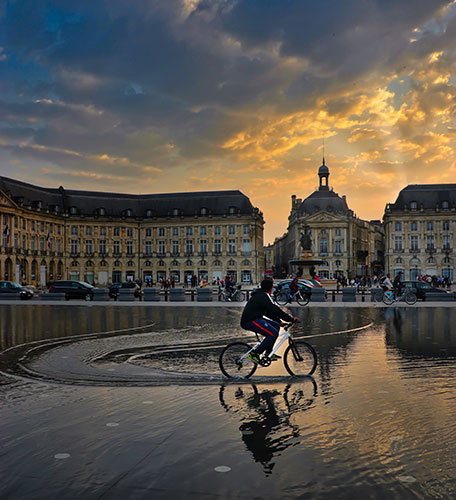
<point>349,246</point>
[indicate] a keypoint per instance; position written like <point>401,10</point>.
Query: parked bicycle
<point>299,358</point>
<point>235,296</point>
<point>408,296</point>
<point>284,297</point>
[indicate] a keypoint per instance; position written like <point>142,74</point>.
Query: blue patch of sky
<point>399,87</point>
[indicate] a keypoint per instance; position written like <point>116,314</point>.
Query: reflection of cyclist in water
<point>265,425</point>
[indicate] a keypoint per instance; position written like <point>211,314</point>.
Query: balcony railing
<point>74,254</point>
<point>398,250</point>
<point>246,253</point>
<point>430,250</point>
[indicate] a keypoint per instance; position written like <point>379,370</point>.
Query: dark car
<point>8,287</point>
<point>284,286</point>
<point>73,289</point>
<point>421,287</point>
<point>115,287</point>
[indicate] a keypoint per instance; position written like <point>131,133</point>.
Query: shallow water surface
<point>376,421</point>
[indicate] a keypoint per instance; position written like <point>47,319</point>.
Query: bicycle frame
<point>284,334</point>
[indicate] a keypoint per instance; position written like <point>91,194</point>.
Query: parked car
<point>73,289</point>
<point>10,286</point>
<point>421,287</point>
<point>115,287</point>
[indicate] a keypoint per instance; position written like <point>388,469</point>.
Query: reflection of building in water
<point>422,331</point>
<point>265,416</point>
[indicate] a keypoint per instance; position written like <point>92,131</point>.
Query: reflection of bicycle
<point>407,296</point>
<point>236,295</point>
<point>299,357</point>
<point>283,297</point>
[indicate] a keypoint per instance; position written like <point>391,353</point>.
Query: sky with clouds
<point>153,96</point>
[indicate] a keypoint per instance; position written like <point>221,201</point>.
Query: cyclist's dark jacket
<point>261,305</point>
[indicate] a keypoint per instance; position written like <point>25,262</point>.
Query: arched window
<point>148,212</point>
<point>89,263</point>
<point>246,262</point>
<point>398,260</point>
<point>101,211</point>
<point>231,262</point>
<point>413,205</point>
<point>148,263</point>
<point>445,204</point>
<point>217,263</point>
<point>175,211</point>
<point>203,211</point>
<point>73,210</point>
<point>130,263</point>
<point>232,210</point>
<point>188,262</point>
<point>117,263</point>
<point>431,260</point>
<point>203,262</point>
<point>174,263</point>
<point>161,263</point>
<point>74,263</point>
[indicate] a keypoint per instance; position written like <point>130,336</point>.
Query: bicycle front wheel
<point>281,298</point>
<point>410,298</point>
<point>234,363</point>
<point>387,299</point>
<point>240,296</point>
<point>302,299</point>
<point>300,358</point>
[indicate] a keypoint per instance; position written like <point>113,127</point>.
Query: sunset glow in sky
<point>147,96</point>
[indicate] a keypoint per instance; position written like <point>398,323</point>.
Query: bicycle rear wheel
<point>410,297</point>
<point>387,299</point>
<point>300,358</point>
<point>231,364</point>
<point>302,298</point>
<point>240,296</point>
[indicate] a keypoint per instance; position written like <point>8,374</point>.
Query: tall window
<point>338,246</point>
<point>414,243</point>
<point>413,226</point>
<point>232,246</point>
<point>398,226</point>
<point>42,244</point>
<point>246,229</point>
<point>217,230</point>
<point>32,244</point>
<point>446,225</point>
<point>129,247</point>
<point>24,242</point>
<point>88,230</point>
<point>203,246</point>
<point>148,248</point>
<point>74,230</point>
<point>337,231</point>
<point>74,246</point>
<point>398,243</point>
<point>430,242</point>
<point>175,231</point>
<point>189,246</point>
<point>446,242</point>
<point>217,246</point>
<point>175,246</point>
<point>102,247</point>
<point>148,232</point>
<point>59,245</point>
<point>102,231</point>
<point>231,229</point>
<point>89,247</point>
<point>323,245</point>
<point>116,231</point>
<point>161,247</point>
<point>189,231</point>
<point>203,230</point>
<point>246,246</point>
<point>33,223</point>
<point>430,226</point>
<point>161,231</point>
<point>116,247</point>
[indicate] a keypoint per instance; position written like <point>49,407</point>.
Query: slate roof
<point>117,204</point>
<point>324,201</point>
<point>427,196</point>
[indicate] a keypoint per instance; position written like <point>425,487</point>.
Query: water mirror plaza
<point>128,402</point>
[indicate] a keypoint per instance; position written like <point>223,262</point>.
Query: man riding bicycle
<point>253,319</point>
<point>398,285</point>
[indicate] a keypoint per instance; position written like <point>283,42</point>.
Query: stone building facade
<point>420,231</point>
<point>348,245</point>
<point>49,234</point>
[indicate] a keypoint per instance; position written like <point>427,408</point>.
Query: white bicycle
<point>299,357</point>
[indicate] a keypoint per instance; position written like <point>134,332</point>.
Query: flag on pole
<point>6,234</point>
<point>48,241</point>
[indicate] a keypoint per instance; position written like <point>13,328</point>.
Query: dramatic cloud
<point>171,95</point>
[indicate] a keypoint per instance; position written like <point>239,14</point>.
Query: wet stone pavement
<point>130,403</point>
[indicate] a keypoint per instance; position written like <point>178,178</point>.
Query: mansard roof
<point>121,204</point>
<point>427,196</point>
<point>324,201</point>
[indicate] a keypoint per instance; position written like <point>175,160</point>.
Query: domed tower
<point>323,173</point>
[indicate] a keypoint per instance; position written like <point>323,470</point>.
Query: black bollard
<point>334,296</point>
